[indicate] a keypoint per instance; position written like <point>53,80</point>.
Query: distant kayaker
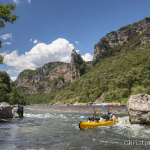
<point>94,118</point>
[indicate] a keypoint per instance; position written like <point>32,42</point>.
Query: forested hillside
<point>118,76</point>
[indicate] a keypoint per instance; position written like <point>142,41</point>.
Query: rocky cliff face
<point>117,38</point>
<point>49,77</point>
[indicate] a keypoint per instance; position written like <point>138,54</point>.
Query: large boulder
<point>139,109</point>
<point>5,111</point>
<point>17,111</point>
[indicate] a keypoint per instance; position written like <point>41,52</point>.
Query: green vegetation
<point>81,65</point>
<point>30,73</point>
<point>1,59</point>
<point>112,32</point>
<point>27,72</point>
<point>125,27</point>
<point>147,18</point>
<point>6,15</point>
<point>8,92</point>
<point>117,77</point>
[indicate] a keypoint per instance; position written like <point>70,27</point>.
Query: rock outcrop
<point>7,111</point>
<point>51,76</point>
<point>17,111</point>
<point>117,38</point>
<point>139,109</point>
<point>145,39</point>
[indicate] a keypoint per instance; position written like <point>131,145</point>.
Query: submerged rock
<point>139,109</point>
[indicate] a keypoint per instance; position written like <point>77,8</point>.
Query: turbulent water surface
<point>59,131</point>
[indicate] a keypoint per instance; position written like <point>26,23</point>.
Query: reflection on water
<point>60,131</point>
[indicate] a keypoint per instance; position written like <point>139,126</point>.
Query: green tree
<point>16,97</point>
<point>5,88</point>
<point>6,15</point>
<point>8,92</point>
<point>1,58</point>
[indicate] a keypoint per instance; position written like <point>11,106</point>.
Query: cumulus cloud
<point>58,50</point>
<point>77,51</point>
<point>35,41</point>
<point>87,57</point>
<point>6,43</point>
<point>30,40</point>
<point>13,78</point>
<point>16,1</point>
<point>6,36</point>
<point>4,53</point>
<point>29,1</point>
<point>77,42</point>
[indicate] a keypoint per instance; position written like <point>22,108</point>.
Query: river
<point>41,129</point>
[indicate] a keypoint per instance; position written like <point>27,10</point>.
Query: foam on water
<point>132,130</point>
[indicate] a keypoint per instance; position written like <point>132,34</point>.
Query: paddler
<point>94,118</point>
<point>108,113</point>
<point>105,117</point>
<point>111,116</point>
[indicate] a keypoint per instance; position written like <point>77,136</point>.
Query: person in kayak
<point>94,118</point>
<point>111,116</point>
<point>105,117</point>
<point>108,113</point>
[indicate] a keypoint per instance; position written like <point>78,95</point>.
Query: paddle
<point>82,117</point>
<point>103,106</point>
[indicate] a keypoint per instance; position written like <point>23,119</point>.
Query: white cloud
<point>8,43</point>
<point>16,1</point>
<point>77,51</point>
<point>30,40</point>
<point>58,50</point>
<point>35,41</point>
<point>6,36</point>
<point>29,1</point>
<point>77,42</point>
<point>4,53</point>
<point>87,57</point>
<point>13,78</point>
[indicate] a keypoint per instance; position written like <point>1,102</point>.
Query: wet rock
<point>17,111</point>
<point>139,109</point>
<point>5,111</point>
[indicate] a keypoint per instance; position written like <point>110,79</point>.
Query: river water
<point>43,130</point>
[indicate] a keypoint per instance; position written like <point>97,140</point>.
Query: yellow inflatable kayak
<point>83,125</point>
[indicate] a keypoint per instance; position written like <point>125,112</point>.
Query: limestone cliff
<point>49,77</point>
<point>117,38</point>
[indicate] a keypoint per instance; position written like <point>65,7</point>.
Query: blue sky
<point>48,30</point>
